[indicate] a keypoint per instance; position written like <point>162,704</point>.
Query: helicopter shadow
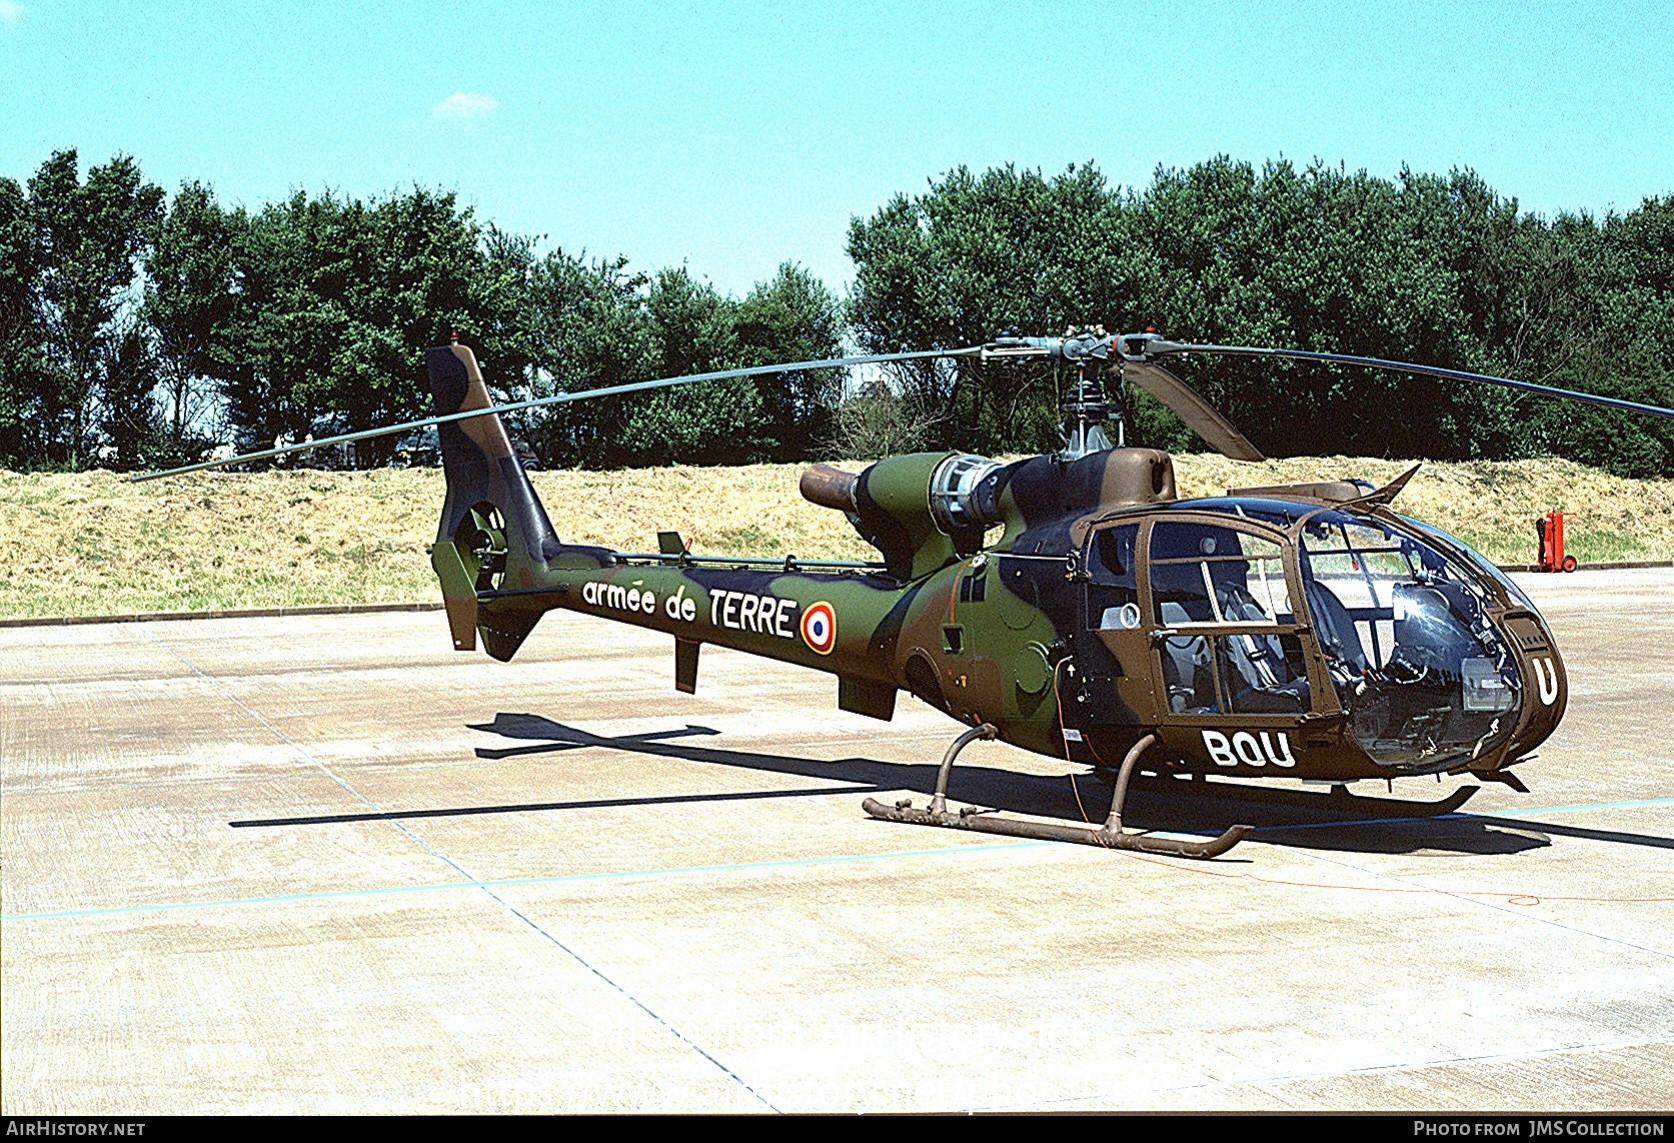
<point>1357,824</point>
<point>1305,821</point>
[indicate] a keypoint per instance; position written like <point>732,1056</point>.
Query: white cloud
<point>459,105</point>
<point>10,11</point>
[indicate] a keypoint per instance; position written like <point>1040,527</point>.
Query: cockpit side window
<point>1206,575</point>
<point>1212,574</point>
<point>1353,569</point>
<point>1113,555</point>
<point>1112,567</point>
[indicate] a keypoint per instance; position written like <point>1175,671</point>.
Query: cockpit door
<point>1118,684</point>
<point>1230,643</point>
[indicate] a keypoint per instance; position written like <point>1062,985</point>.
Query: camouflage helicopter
<point>1306,631</point>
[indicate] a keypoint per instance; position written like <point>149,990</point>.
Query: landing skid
<point>1337,801</point>
<point>1111,835</point>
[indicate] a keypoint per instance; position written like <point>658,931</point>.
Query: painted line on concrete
<point>535,926</point>
<point>690,870</point>
<point>541,807</point>
<point>374,608</point>
<point>1476,899</point>
<point>515,882</point>
<point>1469,899</point>
<point>1578,806</point>
<point>231,613</point>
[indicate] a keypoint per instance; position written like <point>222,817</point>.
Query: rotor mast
<point>1085,407</point>
<point>1085,412</point>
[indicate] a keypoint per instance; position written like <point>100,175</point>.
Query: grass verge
<point>94,544</point>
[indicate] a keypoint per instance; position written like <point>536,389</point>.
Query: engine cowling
<point>920,510</point>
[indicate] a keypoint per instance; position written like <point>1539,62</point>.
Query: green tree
<point>1314,259</point>
<point>975,256</point>
<point>776,416</point>
<point>1617,339</point>
<point>792,317</point>
<point>1437,269</point>
<point>191,299</point>
<point>89,237</point>
<point>412,271</point>
<point>587,327</point>
<point>129,377</point>
<point>597,324</point>
<point>334,301</point>
<point>22,340</point>
<point>708,422</point>
<point>280,330</point>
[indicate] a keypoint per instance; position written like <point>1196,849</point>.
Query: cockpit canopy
<point>1402,627</point>
<point>1405,629</point>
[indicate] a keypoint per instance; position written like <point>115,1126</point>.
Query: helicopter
<point>1304,631</point>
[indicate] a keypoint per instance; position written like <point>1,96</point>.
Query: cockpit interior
<point>1403,630</point>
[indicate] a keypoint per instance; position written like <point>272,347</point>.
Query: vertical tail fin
<point>494,531</point>
<point>478,459</point>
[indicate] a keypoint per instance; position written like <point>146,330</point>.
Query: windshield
<point>1426,678</point>
<point>1511,589</point>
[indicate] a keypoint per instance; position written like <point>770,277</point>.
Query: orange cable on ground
<point>1058,699</point>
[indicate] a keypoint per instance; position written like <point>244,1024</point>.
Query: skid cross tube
<point>1111,835</point>
<point>987,731</point>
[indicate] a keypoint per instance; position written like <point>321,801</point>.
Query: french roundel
<point>819,628</point>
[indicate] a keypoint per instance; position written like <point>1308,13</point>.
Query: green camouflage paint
<point>1008,631</point>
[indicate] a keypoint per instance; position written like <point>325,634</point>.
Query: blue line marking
<point>472,880</point>
<point>783,863</point>
<point>513,882</point>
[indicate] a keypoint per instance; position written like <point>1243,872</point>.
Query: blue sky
<point>734,136</point>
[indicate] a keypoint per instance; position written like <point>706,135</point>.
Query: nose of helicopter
<point>1545,684</point>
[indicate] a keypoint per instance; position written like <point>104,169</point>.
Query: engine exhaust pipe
<point>829,487</point>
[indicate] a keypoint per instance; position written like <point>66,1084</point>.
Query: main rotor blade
<point>1186,403</point>
<point>564,398</point>
<point>1160,348</point>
